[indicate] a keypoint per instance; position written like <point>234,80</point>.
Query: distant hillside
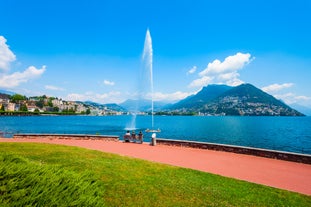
<point>204,96</point>
<point>142,105</point>
<point>303,109</point>
<point>7,92</point>
<point>115,107</point>
<point>245,99</point>
<point>111,106</point>
<point>4,96</point>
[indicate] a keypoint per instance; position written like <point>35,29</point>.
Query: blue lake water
<point>292,134</point>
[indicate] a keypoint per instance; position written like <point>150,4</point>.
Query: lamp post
<point>154,132</point>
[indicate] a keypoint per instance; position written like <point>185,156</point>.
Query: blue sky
<point>92,50</point>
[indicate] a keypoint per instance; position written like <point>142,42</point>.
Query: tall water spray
<point>147,60</point>
<point>145,81</point>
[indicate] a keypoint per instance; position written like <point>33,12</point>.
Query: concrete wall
<point>67,136</point>
<point>294,157</point>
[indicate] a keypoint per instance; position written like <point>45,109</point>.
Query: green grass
<point>55,175</point>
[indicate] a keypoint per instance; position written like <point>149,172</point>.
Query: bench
<point>133,138</point>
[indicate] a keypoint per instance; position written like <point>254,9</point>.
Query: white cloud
<point>303,98</point>
<point>192,70</point>
<point>225,72</point>
<point>276,87</point>
<point>15,79</point>
<point>234,82</point>
<point>159,96</point>
<point>229,65</point>
<point>53,88</point>
<point>288,98</point>
<point>291,98</point>
<point>203,81</point>
<point>6,55</point>
<point>111,97</point>
<point>108,83</point>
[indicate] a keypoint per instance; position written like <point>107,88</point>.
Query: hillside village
<point>212,100</point>
<point>14,104</point>
<point>242,100</point>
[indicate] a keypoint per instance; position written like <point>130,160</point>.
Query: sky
<point>92,50</point>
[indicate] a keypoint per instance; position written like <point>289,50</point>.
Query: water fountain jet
<point>147,59</point>
<point>146,85</point>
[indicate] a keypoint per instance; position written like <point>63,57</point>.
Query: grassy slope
<point>49,175</point>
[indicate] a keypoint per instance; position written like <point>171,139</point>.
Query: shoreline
<point>281,174</point>
<point>267,153</point>
<point>260,152</point>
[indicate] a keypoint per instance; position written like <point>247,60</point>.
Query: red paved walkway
<point>276,173</point>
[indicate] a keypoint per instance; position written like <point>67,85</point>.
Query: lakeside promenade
<point>281,174</point>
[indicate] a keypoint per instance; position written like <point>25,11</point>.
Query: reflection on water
<point>291,134</point>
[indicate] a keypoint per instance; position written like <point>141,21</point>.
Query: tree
<point>36,111</point>
<point>71,110</point>
<point>23,107</point>
<point>40,104</point>
<point>2,108</point>
<point>16,98</point>
<point>50,104</point>
<point>88,111</point>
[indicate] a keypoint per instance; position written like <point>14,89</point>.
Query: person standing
<point>140,137</point>
<point>133,136</point>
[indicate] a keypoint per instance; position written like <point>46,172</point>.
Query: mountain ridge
<point>206,94</point>
<point>242,100</point>
<point>142,105</point>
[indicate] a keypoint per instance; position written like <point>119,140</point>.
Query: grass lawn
<point>54,175</point>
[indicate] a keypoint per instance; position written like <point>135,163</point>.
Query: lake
<point>291,134</point>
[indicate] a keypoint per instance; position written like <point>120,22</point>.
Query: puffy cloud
<point>303,98</point>
<point>111,97</point>
<point>229,65</point>
<point>53,88</point>
<point>276,87</point>
<point>234,82</point>
<point>228,76</point>
<point>192,70</point>
<point>15,79</point>
<point>6,55</point>
<point>288,98</point>
<point>108,83</point>
<point>203,81</point>
<point>231,79</point>
<point>158,96</point>
<point>225,72</point>
<point>291,98</point>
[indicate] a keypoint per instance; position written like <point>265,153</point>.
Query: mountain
<point>111,106</point>
<point>245,99</point>
<point>115,107</point>
<point>303,109</point>
<point>204,96</point>
<point>7,92</point>
<point>4,96</point>
<point>142,105</point>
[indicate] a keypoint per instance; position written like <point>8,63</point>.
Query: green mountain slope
<point>204,96</point>
<point>242,100</point>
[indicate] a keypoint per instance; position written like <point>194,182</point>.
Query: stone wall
<point>67,136</point>
<point>288,156</point>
